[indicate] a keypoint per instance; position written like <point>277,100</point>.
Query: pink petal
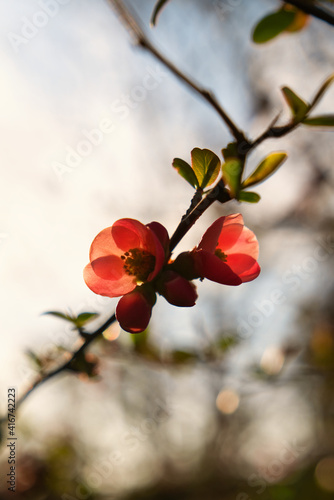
<point>216,270</point>
<point>133,312</point>
<point>245,266</point>
<point>107,288</point>
<point>246,244</point>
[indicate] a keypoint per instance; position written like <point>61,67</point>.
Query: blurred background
<point>231,399</point>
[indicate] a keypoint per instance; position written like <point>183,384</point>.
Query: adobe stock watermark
<point>292,280</point>
<point>274,470</point>
<point>121,109</point>
<point>30,27</point>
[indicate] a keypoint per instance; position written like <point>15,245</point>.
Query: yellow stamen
<point>139,263</point>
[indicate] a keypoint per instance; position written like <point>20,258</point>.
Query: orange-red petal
<point>161,232</point>
<point>224,233</point>
<point>245,266</point>
<point>246,244</point>
<point>108,288</point>
<point>214,269</point>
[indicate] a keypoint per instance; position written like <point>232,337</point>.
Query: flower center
<point>139,263</point>
<point>221,255</point>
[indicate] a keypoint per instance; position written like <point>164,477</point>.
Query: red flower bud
<point>133,312</point>
<point>177,290</point>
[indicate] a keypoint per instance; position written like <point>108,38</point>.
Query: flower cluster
<point>132,261</point>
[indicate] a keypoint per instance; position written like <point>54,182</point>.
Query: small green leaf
<point>156,11</point>
<point>266,168</point>
<point>60,315</point>
<point>231,151</point>
<point>84,318</point>
<point>249,196</point>
<point>322,90</point>
<point>185,170</point>
<point>299,108</point>
<point>79,321</point>
<point>206,166</point>
<point>232,171</point>
<point>320,121</point>
<point>272,25</point>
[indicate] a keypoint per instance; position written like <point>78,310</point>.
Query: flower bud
<point>177,290</point>
<point>133,311</point>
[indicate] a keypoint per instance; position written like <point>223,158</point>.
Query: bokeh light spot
<point>112,332</point>
<point>324,473</point>
<point>227,401</point>
<point>272,360</point>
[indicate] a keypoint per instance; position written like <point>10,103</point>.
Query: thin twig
<point>313,9</point>
<point>65,366</point>
<point>272,133</point>
<point>141,39</point>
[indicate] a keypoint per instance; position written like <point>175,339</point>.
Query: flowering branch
<point>139,37</point>
<point>133,261</point>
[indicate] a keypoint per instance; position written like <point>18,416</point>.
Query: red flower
<point>123,256</point>
<point>228,252</point>
<point>124,259</point>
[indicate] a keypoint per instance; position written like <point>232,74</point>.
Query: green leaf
<point>79,321</point>
<point>84,318</point>
<point>320,121</point>
<point>60,315</point>
<point>185,170</point>
<point>249,197</point>
<point>272,25</point>
<point>232,171</point>
<point>322,90</point>
<point>266,168</point>
<point>206,166</point>
<point>156,11</point>
<point>231,151</point>
<point>299,108</point>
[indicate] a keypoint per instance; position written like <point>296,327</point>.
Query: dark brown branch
<point>140,38</point>
<point>217,193</point>
<point>271,133</point>
<point>313,9</point>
